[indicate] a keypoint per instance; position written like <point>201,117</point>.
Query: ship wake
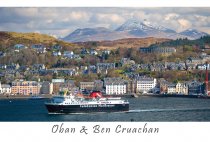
<point>163,110</point>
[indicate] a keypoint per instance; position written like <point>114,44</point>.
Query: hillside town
<point>120,77</point>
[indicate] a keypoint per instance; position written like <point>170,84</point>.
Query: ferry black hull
<point>53,109</point>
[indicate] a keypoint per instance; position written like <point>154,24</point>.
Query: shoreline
<point>160,95</point>
<point>3,97</point>
<point>47,96</point>
<point>178,96</point>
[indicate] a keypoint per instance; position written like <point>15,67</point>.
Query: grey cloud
<point>63,20</point>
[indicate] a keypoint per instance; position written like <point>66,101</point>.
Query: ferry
<point>95,102</point>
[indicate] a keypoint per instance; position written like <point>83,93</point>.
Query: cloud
<point>171,16</point>
<point>139,15</point>
<point>78,16</point>
<point>184,24</point>
<point>108,18</point>
<point>61,21</point>
<point>26,12</point>
<point>204,29</point>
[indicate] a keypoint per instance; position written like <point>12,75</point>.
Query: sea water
<point>141,109</point>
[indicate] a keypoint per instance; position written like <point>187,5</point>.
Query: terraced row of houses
<point>111,86</point>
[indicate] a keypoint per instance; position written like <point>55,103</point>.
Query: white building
<point>57,53</point>
<point>5,89</point>
<point>181,88</point>
<point>171,89</point>
<point>116,88</point>
<point>93,52</point>
<point>178,88</point>
<point>146,84</point>
<point>68,54</point>
<point>203,67</point>
<point>106,52</point>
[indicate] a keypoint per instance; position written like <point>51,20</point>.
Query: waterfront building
<point>87,85</point>
<point>69,86</point>
<point>181,88</point>
<point>5,89</point>
<point>46,88</point>
<point>163,85</point>
<point>25,87</point>
<point>195,87</point>
<point>56,84</point>
<point>171,88</point>
<point>98,85</point>
<point>131,86</point>
<point>146,84</point>
<point>109,80</point>
<point>116,87</point>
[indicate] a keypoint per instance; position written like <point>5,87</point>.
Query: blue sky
<point>62,21</point>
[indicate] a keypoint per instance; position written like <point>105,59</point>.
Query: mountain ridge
<point>131,29</point>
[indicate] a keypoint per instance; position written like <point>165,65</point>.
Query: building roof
<point>58,80</point>
<point>87,82</point>
<point>172,85</point>
<point>19,46</point>
<point>98,81</point>
<point>114,81</point>
<point>37,46</point>
<point>144,78</point>
<point>5,86</point>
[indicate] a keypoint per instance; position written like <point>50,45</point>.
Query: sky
<point>62,21</point>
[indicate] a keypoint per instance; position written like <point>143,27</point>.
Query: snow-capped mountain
<point>144,29</point>
<point>130,29</point>
<point>193,33</point>
<point>145,26</point>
